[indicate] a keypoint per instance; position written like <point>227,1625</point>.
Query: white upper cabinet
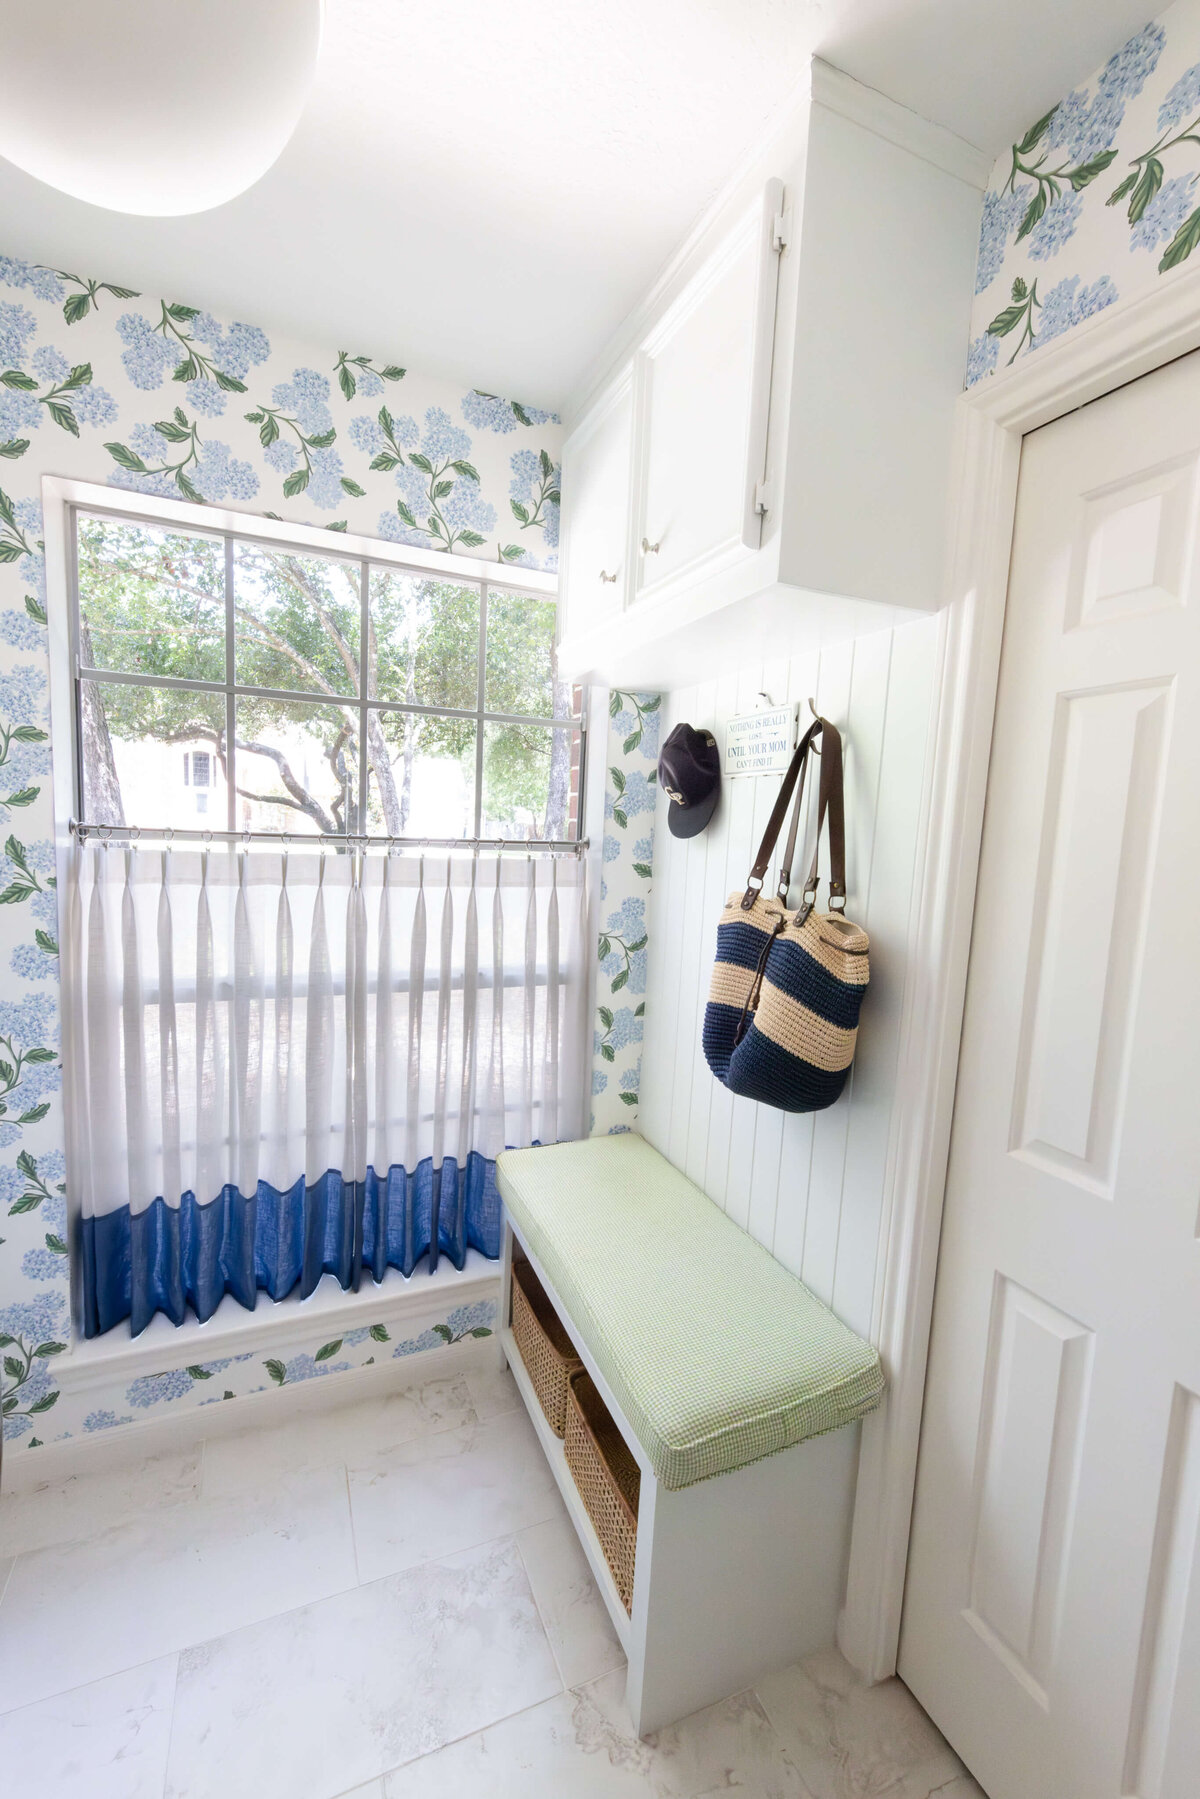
<point>762,456</point>
<point>703,393</point>
<point>597,465</point>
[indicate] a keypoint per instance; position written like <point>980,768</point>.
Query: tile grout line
<point>537,1606</point>
<point>171,1723</point>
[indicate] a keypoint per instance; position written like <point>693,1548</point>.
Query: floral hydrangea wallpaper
<point>1098,201</point>
<point>104,384</point>
<point>633,730</point>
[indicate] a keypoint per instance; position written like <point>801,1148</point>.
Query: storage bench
<point>736,1392</point>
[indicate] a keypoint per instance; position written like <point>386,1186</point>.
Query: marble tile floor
<point>385,1601</point>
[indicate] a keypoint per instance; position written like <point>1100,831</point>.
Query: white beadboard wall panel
<point>809,1186</point>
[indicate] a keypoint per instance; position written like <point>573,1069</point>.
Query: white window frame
<point>63,499</point>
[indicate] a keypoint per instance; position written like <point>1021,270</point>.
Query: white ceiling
<point>483,190</point>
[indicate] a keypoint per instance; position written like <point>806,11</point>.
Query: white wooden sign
<point>761,743</point>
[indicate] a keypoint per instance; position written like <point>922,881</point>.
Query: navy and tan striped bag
<point>782,1015</point>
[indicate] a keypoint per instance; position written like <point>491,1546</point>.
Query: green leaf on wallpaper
<point>339,524</point>
<point>1006,321</point>
<point>640,1011</point>
<point>472,539</point>
<point>618,780</point>
<point>188,488</point>
<point>421,462</point>
<point>631,742</point>
<point>465,468</point>
<point>126,458</point>
<point>1148,185</point>
<point>606,1017</point>
<point>48,1349</point>
<point>187,370</point>
<point>34,609</point>
<point>1119,192</point>
<point>276,1370</point>
<point>520,414</point>
<point>16,446</point>
<point>511,552</point>
<point>1087,172</point>
<point>1035,133</point>
<point>546,465</point>
<point>199,1373</point>
<point>62,415</point>
<point>444,1332</point>
<point>55,1244</point>
<point>28,1202</point>
<point>1182,244</point>
<point>608,1052</point>
<point>406,513</point>
<point>521,513</point>
<point>19,379</point>
<point>346,382</point>
<point>614,703</point>
<point>620,980</point>
<point>644,869</point>
<point>296,482</point>
<point>172,430</point>
<point>183,315</point>
<point>328,1349</point>
<point>6,1341</point>
<point>10,1404</point>
<point>35,1114</point>
<point>620,818</point>
<point>353,489</point>
<point>1034,211</point>
<point>481,1330</point>
<point>603,947</point>
<point>441,489</point>
<point>379,1333</point>
<point>43,1404</point>
<point>80,376</point>
<point>634,947</point>
<point>629,1099</point>
<point>14,1369</point>
<point>40,1055</point>
<point>77,307</point>
<point>24,796</point>
<point>229,383</point>
<point>385,460</point>
<point>30,734</point>
<point>323,439</point>
<point>392,372</point>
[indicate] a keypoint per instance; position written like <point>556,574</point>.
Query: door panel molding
<point>1127,340</point>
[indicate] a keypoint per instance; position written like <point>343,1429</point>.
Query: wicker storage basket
<point>546,1350</point>
<point>607,1476</point>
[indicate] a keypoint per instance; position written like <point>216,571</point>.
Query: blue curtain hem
<point>169,1258</point>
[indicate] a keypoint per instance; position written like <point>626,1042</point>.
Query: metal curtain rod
<point>285,840</point>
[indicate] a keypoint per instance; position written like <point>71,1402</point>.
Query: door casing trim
<point>1116,346</point>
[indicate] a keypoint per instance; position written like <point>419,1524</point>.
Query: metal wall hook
<point>605,577</point>
<point>651,549</point>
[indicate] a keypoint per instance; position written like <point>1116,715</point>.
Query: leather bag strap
<point>795,772</point>
<point>831,806</point>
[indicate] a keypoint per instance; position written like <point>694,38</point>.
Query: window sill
<point>231,1329</point>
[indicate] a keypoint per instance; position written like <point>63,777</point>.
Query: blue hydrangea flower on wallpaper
<point>627,857</point>
<point>103,384</point>
<point>1098,200</point>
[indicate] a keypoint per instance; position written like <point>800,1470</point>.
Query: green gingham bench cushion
<point>716,1354</point>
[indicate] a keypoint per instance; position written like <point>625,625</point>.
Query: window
<point>228,681</point>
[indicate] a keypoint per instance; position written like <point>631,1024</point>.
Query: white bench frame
<point>735,1577</point>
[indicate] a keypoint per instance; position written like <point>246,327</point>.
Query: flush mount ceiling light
<point>154,106</point>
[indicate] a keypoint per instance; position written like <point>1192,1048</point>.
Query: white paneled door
<point>1052,1618</point>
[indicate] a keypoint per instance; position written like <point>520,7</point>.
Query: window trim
<point>63,500</point>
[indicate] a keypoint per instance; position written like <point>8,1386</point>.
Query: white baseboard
<point>103,1450</point>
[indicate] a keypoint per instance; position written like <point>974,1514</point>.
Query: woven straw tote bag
<point>781,1022</point>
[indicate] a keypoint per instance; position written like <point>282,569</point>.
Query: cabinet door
<point>596,472</point>
<point>704,378</point>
